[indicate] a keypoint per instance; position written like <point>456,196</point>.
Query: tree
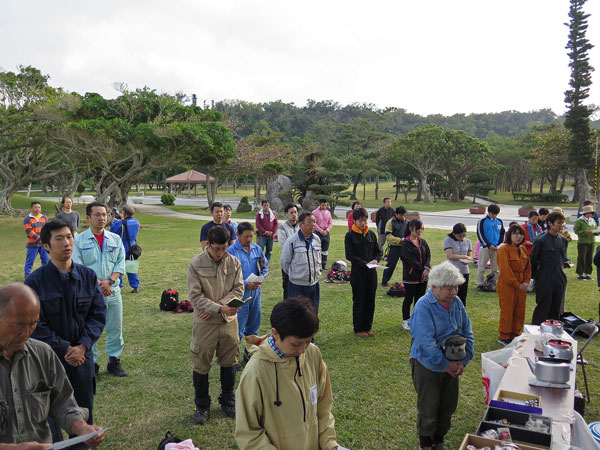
<point>422,149</point>
<point>462,155</point>
<point>551,153</point>
<point>577,119</point>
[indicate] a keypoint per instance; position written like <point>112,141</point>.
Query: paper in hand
<point>252,278</point>
<point>376,266</point>
<point>76,440</point>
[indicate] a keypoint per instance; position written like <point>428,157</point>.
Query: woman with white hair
<point>442,346</point>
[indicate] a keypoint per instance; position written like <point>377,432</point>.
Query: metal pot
<point>552,326</point>
<point>549,370</point>
<point>559,349</point>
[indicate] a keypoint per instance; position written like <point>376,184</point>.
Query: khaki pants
<point>211,338</point>
<point>484,254</point>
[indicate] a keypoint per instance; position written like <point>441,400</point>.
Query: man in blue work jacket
<point>253,262</point>
<point>72,314</point>
<point>103,252</point>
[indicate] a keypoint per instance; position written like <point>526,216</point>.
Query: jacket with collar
<point>490,232</point>
<point>211,285</point>
<point>105,261</point>
<point>301,259</point>
<point>414,260</point>
<point>285,230</point>
<point>300,386</point>
<point>361,249</point>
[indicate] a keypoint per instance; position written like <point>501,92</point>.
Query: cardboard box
<point>479,442</point>
<point>518,397</point>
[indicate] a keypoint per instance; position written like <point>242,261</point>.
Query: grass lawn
<point>375,403</point>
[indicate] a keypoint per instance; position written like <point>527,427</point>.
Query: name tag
<point>313,395</point>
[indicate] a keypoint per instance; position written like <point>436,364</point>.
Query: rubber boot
<point>324,262</point>
<point>201,399</point>
<point>227,397</point>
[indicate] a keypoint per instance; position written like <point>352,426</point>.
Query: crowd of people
<point>75,296</point>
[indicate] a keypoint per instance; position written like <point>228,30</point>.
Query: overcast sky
<point>427,56</point>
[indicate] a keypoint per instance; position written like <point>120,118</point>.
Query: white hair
<point>445,274</point>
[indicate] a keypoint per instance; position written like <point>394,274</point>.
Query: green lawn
<point>375,404</point>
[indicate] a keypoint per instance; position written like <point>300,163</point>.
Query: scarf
<point>271,215</point>
<point>359,231</point>
<point>533,231</point>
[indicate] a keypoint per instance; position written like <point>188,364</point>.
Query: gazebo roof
<point>191,176</point>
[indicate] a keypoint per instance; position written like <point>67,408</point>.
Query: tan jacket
<point>211,285</point>
<point>303,420</point>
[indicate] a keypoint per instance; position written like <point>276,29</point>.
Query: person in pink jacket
<point>323,227</point>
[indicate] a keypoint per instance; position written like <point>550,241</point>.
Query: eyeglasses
<point>218,249</point>
<point>99,215</point>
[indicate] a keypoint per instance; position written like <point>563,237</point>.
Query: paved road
<point>441,220</point>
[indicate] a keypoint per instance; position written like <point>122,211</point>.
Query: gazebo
<point>190,177</point>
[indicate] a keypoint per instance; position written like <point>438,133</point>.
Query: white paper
<point>376,266</point>
<point>76,440</point>
<point>254,278</point>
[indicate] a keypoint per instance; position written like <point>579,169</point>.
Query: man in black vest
<point>394,235</point>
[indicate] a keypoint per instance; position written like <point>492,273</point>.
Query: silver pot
<point>558,349</point>
<point>552,326</point>
<point>550,371</point>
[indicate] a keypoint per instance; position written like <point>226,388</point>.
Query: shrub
<point>243,206</point>
<point>167,199</point>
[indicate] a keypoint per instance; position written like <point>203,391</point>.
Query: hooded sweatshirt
<point>284,403</point>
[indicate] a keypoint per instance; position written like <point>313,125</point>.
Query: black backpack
<point>169,438</point>
<point>169,300</point>
<point>397,290</point>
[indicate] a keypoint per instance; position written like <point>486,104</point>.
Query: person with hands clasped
<point>215,278</point>
<point>586,230</point>
<point>442,346</point>
<point>459,252</point>
<point>416,257</point>
<point>362,248</point>
<point>515,274</point>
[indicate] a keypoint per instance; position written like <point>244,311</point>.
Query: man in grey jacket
<point>301,261</point>
<point>285,230</point>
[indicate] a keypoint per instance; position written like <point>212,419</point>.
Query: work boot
<point>227,397</point>
<point>201,399</point>
<point>324,262</point>
<point>114,368</point>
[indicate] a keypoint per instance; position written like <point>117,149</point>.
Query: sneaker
<point>587,277</point>
<point>116,369</point>
<point>228,410</point>
<point>135,291</point>
<point>406,325</point>
<point>581,277</point>
<point>440,446</point>
<point>504,341</point>
<point>201,416</point>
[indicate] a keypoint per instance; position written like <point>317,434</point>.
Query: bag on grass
<point>168,439</point>
<point>493,366</point>
<point>169,300</point>
<point>396,290</point>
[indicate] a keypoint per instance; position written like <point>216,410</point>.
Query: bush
<point>543,197</point>
<point>243,207</point>
<point>167,199</point>
<point>244,200</point>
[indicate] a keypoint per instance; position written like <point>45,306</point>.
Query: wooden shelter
<point>190,177</point>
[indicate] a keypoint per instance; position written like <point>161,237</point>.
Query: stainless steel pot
<point>558,349</point>
<point>550,371</point>
<point>552,326</point>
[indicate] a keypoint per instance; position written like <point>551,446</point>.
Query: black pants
<point>83,381</point>
<point>284,282</point>
<point>412,293</point>
<point>549,295</point>
<point>392,260</point>
<point>463,288</point>
<point>364,287</point>
<point>324,249</point>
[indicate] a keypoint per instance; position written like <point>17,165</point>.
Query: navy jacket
<point>72,309</point>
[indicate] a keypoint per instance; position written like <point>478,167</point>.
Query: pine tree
<point>578,115</point>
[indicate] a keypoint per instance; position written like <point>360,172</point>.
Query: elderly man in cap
<point>33,383</point>
<point>442,346</point>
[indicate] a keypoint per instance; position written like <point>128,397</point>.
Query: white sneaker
<point>406,325</point>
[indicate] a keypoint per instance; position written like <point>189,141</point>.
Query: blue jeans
<point>266,241</point>
<point>311,292</point>
<point>249,315</point>
<point>133,279</point>
<point>32,253</point>
<point>114,325</point>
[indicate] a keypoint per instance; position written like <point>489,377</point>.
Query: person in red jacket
<point>33,224</point>
<point>532,230</point>
<point>266,224</point>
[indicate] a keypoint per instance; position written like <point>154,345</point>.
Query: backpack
<point>168,439</point>
<point>397,290</point>
<point>489,284</point>
<point>169,300</point>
